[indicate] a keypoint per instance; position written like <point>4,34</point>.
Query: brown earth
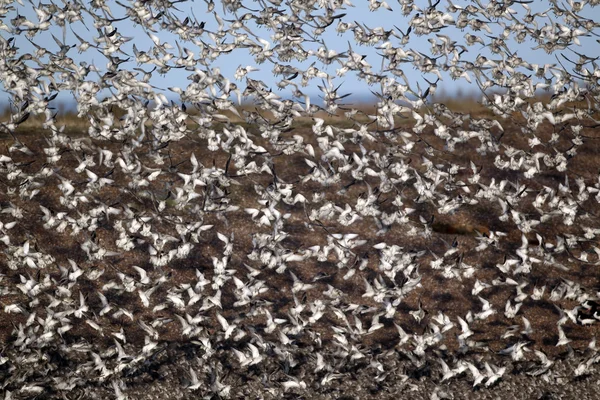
<point>164,378</point>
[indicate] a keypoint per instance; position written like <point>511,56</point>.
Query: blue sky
<point>228,64</point>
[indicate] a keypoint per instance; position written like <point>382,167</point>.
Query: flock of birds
<point>120,241</point>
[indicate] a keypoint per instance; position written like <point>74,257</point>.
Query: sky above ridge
<point>339,42</point>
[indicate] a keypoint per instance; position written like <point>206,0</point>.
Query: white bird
<point>272,323</point>
<point>188,328</point>
<point>527,329</point>
<point>145,295</point>
<point>227,327</point>
<point>300,286</point>
<point>116,384</point>
<point>486,309</point>
<point>562,337</point>
<point>375,324</point>
<point>493,374</point>
<point>478,377</point>
<point>106,307</point>
<point>516,351</point>
<point>149,345</point>
<point>246,360</point>
<point>228,243</point>
<point>293,383</point>
<point>448,373</point>
<point>144,279</point>
<point>464,326</point>
<point>511,311</point>
<point>195,383</point>
<point>83,308</point>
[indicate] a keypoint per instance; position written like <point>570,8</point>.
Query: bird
<point>562,338</point>
<point>227,327</point>
<point>486,310</point>
<point>478,377</point>
<point>516,351</point>
<point>493,374</point>
<point>253,359</point>
<point>195,383</point>
<point>144,279</point>
<point>466,331</point>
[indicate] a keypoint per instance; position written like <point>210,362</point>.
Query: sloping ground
<point>311,329</point>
